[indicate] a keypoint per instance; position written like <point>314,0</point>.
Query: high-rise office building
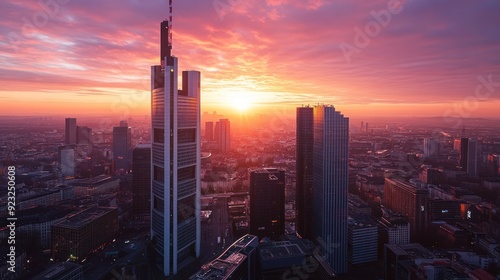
<point>394,229</point>
<point>267,202</point>
<point>83,135</point>
<point>304,169</point>
<point>209,131</point>
<point>70,131</point>
<point>431,147</point>
<point>330,183</point>
<point>224,135</point>
<point>77,236</point>
<point>122,147</point>
<point>409,200</point>
<point>468,156</point>
<point>141,182</point>
<point>175,174</point>
<point>362,241</point>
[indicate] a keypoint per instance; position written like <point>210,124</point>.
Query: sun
<point>240,101</point>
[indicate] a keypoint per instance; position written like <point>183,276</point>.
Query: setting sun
<point>240,101</point>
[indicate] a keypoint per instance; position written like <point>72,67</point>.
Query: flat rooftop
<point>91,181</point>
<point>57,271</point>
<point>85,217</point>
<point>220,269</point>
<point>413,250</point>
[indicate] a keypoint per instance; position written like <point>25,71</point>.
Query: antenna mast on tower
<point>170,23</point>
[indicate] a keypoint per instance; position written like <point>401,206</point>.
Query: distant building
<point>209,131</point>
<point>97,185</point>
<point>70,131</point>
<point>224,135</point>
<point>68,161</point>
<point>410,201</point>
<point>122,147</point>
<point>33,227</point>
<point>37,198</point>
<point>394,229</point>
<point>61,271</point>
<point>330,183</point>
<point>493,165</point>
<point>141,182</point>
<point>468,156</point>
<point>446,210</point>
<point>304,170</point>
<point>449,236</point>
<point>277,259</point>
<point>78,235</point>
<point>357,207</point>
<point>399,260</point>
<point>431,175</point>
<point>83,135</point>
<point>267,202</point>
<point>237,262</point>
<point>431,147</point>
<point>362,240</point>
<point>492,184</point>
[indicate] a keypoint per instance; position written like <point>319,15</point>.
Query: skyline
<point>253,57</point>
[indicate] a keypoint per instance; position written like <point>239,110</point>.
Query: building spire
<point>166,37</point>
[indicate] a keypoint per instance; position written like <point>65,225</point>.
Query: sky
<point>367,58</point>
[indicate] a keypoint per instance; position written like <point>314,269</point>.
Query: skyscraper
<point>122,147</point>
<point>468,156</point>
<point>224,135</point>
<point>330,183</point>
<point>175,174</point>
<point>141,182</point>
<point>209,131</point>
<point>304,168</point>
<point>70,131</point>
<point>431,147</point>
<point>267,202</point>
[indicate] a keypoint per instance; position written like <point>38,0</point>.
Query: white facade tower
<point>175,162</point>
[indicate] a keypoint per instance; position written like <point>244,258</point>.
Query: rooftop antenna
<point>166,37</point>
<point>170,23</point>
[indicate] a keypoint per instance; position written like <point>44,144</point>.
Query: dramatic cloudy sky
<point>93,56</point>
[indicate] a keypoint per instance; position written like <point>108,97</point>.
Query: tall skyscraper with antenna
<point>175,172</point>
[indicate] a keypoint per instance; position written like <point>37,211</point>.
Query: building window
<point>158,173</point>
<point>159,135</point>
<point>187,135</point>
<point>186,173</point>
<point>185,208</point>
<point>158,204</point>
